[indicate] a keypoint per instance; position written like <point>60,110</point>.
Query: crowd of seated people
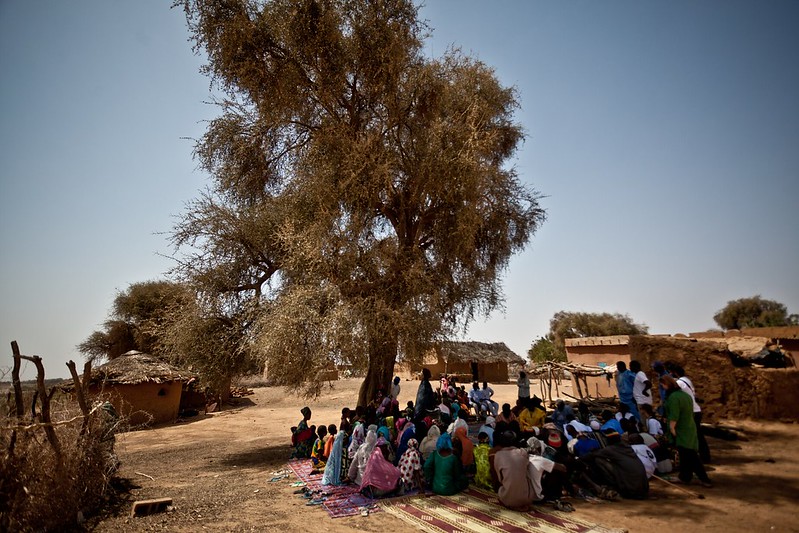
<point>525,454</point>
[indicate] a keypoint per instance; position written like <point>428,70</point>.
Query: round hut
<point>142,388</point>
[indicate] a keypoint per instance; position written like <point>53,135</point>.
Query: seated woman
<point>334,474</point>
<point>385,432</point>
<point>407,433</point>
<point>465,449</point>
<point>410,466</point>
<point>443,471</point>
<point>482,476</point>
<point>428,444</point>
<point>358,464</point>
<point>380,478</point>
<point>302,436</point>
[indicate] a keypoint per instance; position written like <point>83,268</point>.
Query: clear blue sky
<point>665,136</point>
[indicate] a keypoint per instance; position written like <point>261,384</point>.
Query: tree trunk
<point>382,356</point>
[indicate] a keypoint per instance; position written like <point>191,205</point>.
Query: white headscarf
<point>357,440</point>
<point>535,446</point>
<point>428,444</point>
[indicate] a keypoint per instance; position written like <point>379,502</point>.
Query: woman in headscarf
<point>410,466</point>
<point>428,444</point>
<point>466,449</point>
<point>443,471</point>
<point>302,436</point>
<point>380,478</point>
<point>358,465</point>
<point>385,432</point>
<point>332,475</point>
<point>408,432</point>
<point>358,436</point>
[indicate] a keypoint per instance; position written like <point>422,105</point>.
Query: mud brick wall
<point>725,391</point>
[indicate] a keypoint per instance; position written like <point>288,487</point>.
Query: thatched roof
<point>478,352</point>
<point>135,367</point>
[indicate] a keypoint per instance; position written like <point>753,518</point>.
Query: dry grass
<point>44,491</point>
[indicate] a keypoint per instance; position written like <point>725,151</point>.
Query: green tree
<point>135,317</point>
<point>752,312</point>
<point>362,198</point>
<point>569,325</point>
<point>543,349</point>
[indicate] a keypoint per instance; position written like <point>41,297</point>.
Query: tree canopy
<point>362,202</point>
<point>569,325</point>
<point>753,312</point>
<point>135,317</point>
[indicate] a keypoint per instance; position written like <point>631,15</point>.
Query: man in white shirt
<point>488,392</point>
<point>642,393</point>
<point>476,399</point>
<point>687,386</point>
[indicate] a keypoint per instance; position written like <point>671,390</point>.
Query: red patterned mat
<point>478,511</point>
<point>341,500</point>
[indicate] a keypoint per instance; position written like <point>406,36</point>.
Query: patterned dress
<point>409,464</point>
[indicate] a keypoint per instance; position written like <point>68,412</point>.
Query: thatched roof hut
<point>141,387</point>
<point>133,367</point>
<point>472,361</point>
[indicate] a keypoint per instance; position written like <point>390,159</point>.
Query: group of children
<point>526,453</point>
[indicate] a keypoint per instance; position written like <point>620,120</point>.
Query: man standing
<point>524,385</point>
<point>425,397</point>
<point>687,387</point>
<point>624,385</point>
<point>679,411</point>
<point>642,387</point>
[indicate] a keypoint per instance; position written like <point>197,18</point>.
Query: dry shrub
<point>40,491</point>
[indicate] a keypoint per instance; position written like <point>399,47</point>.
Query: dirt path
<point>217,469</point>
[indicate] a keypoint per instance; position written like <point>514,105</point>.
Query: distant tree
<point>753,312</point>
<point>363,200</point>
<point>543,349</point>
<point>569,325</point>
<point>115,339</point>
<point>135,317</point>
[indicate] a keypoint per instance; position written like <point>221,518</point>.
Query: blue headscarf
<point>444,442</point>
<point>407,434</point>
<point>384,432</point>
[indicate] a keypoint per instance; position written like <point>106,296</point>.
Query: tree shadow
<point>264,456</point>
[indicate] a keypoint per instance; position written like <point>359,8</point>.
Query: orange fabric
<point>467,457</point>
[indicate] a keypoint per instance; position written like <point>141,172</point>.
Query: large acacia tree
<point>363,203</point>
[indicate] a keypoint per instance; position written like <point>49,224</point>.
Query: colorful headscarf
<point>467,455</point>
<point>383,431</point>
<point>358,436</point>
<point>379,473</point>
<point>444,442</point>
<point>410,462</point>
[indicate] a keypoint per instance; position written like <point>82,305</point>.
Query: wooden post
<point>576,381</point>
<point>45,399</point>
<point>15,379</point>
<point>79,388</point>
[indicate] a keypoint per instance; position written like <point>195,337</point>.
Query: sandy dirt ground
<point>217,469</point>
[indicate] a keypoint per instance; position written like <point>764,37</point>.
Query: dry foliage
<point>41,490</point>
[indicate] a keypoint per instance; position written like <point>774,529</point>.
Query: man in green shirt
<point>680,413</point>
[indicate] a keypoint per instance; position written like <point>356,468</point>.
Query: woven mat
<point>342,500</point>
<point>478,511</point>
